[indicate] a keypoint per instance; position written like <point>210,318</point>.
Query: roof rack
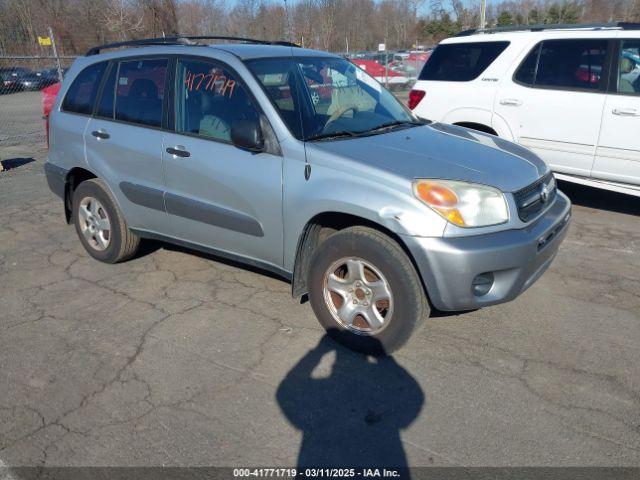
<point>560,26</point>
<point>181,40</point>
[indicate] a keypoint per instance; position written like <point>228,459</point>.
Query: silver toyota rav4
<point>298,162</point>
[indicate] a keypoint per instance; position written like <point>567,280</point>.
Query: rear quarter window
<point>84,89</point>
<point>461,62</point>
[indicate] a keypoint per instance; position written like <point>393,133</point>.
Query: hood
<point>444,152</point>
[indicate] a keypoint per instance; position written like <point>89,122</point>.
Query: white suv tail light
<point>415,97</point>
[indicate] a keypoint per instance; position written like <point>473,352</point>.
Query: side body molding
<point>192,209</point>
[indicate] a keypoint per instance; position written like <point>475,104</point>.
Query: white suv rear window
<point>461,62</point>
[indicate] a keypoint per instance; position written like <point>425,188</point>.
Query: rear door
<point>218,195</point>
<point>124,139</point>
<point>618,153</point>
<point>553,104</point>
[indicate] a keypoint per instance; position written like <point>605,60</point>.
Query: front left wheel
<point>100,224</point>
<point>365,291</point>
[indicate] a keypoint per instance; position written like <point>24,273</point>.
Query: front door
<point>618,153</point>
<point>554,102</point>
<point>218,195</point>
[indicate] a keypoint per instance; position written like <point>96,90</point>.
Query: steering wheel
<point>338,113</point>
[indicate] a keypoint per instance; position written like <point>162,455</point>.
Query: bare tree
<point>120,19</point>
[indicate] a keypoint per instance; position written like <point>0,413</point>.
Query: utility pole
<point>483,14</point>
<point>55,53</point>
<point>286,12</point>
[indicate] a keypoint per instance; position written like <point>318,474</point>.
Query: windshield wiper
<point>395,124</point>
<point>329,136</point>
<point>365,133</point>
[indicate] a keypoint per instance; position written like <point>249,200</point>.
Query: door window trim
<point>602,89</point>
<point>105,77</point>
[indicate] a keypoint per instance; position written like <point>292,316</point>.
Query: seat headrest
<point>143,88</point>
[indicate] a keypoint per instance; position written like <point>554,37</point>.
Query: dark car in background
<point>8,83</point>
<point>19,79</point>
<point>32,82</point>
<point>50,76</point>
<point>10,79</point>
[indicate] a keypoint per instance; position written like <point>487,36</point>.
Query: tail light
<point>415,97</point>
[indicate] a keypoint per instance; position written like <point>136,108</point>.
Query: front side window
<point>571,64</point>
<point>629,68</point>
<point>324,97</point>
<point>140,91</point>
<point>461,62</point>
<point>82,93</point>
<point>209,100</point>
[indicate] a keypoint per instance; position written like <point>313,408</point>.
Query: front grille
<point>531,200</point>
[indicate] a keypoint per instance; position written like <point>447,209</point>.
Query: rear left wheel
<point>100,223</point>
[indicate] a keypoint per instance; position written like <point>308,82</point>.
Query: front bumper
<point>517,258</point>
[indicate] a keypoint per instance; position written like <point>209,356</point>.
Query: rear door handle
<point>511,101</point>
<point>626,112</point>
<point>178,151</point>
<point>100,134</point>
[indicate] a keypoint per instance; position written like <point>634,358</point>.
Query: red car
<point>381,73</point>
<point>49,95</point>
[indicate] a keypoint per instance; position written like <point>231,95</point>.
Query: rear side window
<point>461,62</point>
<point>140,91</point>
<point>565,65</point>
<point>82,93</point>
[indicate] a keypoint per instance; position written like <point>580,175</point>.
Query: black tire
<point>410,304</point>
<point>123,243</point>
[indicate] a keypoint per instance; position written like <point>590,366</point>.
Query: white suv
<point>571,94</point>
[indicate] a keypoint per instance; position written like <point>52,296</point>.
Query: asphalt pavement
<point>176,358</point>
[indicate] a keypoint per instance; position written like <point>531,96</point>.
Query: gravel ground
<point>175,358</point>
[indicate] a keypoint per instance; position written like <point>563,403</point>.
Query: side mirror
<point>247,134</point>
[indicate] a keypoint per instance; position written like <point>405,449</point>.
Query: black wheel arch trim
<point>310,238</point>
<point>56,178</point>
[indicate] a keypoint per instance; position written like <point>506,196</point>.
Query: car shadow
<point>352,416</point>
<point>149,246</point>
<point>11,163</point>
<point>597,198</point>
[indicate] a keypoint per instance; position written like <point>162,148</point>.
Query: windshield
<point>327,97</point>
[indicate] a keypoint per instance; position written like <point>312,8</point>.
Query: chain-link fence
<point>26,84</point>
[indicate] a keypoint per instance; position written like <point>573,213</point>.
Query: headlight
<point>463,204</point>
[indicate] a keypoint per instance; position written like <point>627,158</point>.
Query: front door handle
<point>178,151</point>
<point>626,112</point>
<point>100,134</point>
<point>511,101</point>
